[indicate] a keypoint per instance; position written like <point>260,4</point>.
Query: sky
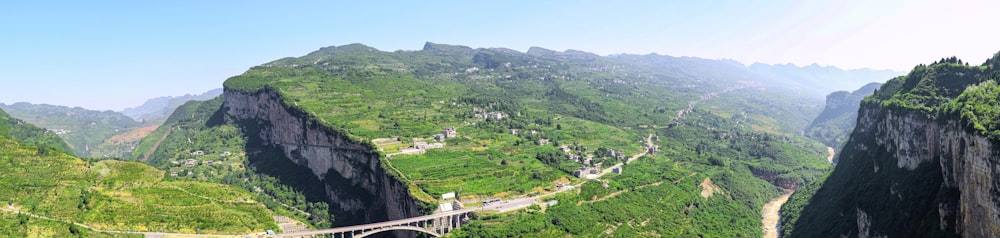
<point>109,55</point>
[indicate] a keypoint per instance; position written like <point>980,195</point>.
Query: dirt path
<point>771,214</point>
<point>832,152</point>
<point>151,150</point>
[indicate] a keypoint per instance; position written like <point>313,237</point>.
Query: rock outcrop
<point>356,182</point>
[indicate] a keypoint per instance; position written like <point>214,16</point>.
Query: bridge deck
<point>370,226</point>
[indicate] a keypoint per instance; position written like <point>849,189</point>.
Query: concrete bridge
<point>434,225</point>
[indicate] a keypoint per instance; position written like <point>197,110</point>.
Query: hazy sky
<point>117,54</point>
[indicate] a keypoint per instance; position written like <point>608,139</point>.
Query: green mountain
<point>54,194</point>
<point>27,134</point>
<point>835,123</point>
<point>920,163</point>
<point>89,133</point>
<point>157,109</point>
<point>351,135</point>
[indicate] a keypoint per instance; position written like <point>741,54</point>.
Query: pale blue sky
<point>116,54</point>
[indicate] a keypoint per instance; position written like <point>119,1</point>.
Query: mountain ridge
<point>160,107</point>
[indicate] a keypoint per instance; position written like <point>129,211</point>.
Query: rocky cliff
<point>968,165</point>
<point>836,122</point>
<point>919,163</point>
<point>357,185</point>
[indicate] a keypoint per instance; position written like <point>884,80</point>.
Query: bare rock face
<point>968,162</point>
<point>355,180</point>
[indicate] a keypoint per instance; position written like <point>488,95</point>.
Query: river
<point>771,213</point>
<point>772,210</point>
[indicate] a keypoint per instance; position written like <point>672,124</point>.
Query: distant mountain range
<point>102,134</point>
<point>83,129</point>
<point>829,78</point>
<point>161,107</point>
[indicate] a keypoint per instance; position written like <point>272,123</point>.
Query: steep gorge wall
<point>905,174</point>
<point>356,182</point>
<point>968,162</point>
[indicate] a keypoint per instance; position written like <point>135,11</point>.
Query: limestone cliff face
<point>355,180</point>
<point>905,174</point>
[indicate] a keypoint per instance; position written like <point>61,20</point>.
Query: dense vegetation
<point>868,179</point>
<point>115,195</point>
<point>87,132</point>
<point>654,197</point>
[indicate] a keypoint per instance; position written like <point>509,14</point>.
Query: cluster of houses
<point>515,131</point>
<point>483,114</point>
<point>652,149</point>
<point>420,146</point>
<point>193,162</point>
<point>200,153</point>
<point>616,154</point>
<point>590,169</point>
<point>182,172</point>
<point>446,133</point>
<point>584,171</point>
<point>60,131</point>
<point>593,172</point>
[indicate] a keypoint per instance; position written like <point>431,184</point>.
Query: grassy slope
<point>115,195</point>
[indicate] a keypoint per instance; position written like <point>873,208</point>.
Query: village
<point>593,164</point>
<point>189,165</point>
